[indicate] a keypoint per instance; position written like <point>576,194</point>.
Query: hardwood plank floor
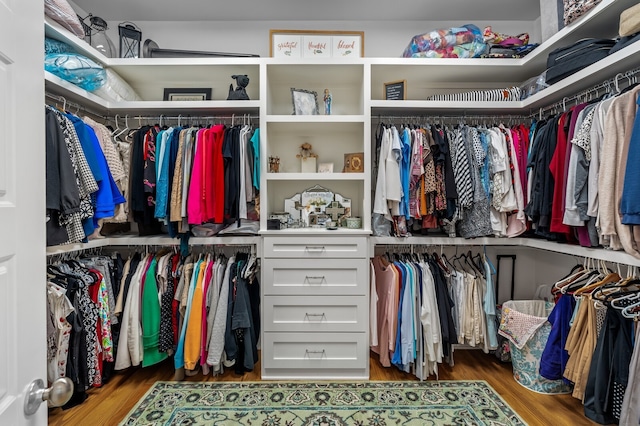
<point>106,406</point>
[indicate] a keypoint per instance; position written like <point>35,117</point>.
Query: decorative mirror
<point>316,205</point>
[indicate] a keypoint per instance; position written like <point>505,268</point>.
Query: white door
<point>22,208</point>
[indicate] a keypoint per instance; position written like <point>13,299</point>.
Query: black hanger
<point>440,262</point>
<point>447,262</point>
<point>580,282</point>
<point>598,292</point>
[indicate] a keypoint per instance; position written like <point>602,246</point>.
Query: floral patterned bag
<point>573,9</point>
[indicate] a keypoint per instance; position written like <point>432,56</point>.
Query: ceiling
<point>313,10</point>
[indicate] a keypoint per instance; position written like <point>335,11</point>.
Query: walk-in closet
<point>319,212</point>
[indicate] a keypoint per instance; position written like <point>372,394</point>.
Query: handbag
<point>567,60</point>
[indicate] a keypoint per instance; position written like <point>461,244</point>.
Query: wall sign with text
<point>395,90</point>
<point>316,44</point>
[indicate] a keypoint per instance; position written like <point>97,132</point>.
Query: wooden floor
<point>108,405</point>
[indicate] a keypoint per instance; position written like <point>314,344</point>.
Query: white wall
<point>382,39</point>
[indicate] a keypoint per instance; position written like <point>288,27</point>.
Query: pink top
<point>194,200</point>
<point>387,308</point>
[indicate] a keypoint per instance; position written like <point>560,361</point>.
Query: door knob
<point>57,395</point>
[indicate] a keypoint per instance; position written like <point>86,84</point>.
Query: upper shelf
<point>619,62</point>
<point>149,77</point>
<point>73,93</point>
<point>53,30</point>
<point>345,79</point>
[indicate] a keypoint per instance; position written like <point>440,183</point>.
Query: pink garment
<point>385,287</point>
<point>218,174</point>
<point>517,221</point>
<point>194,201</point>
<point>520,143</point>
<point>207,178</point>
<point>517,327</point>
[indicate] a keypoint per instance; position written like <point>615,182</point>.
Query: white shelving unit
<point>357,90</point>
<point>356,86</point>
<point>347,130</point>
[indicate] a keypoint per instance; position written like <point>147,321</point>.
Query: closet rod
<point>449,117</point>
<point>78,107</point>
<point>235,118</point>
<point>198,117</point>
<point>630,77</point>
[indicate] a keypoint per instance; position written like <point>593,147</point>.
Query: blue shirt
<point>108,194</point>
<point>405,166</point>
<point>163,149</point>
<point>255,143</point>
<point>554,357</point>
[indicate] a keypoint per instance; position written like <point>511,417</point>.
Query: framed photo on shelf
<point>325,168</point>
<point>187,94</point>
<point>395,90</point>
<point>305,102</point>
<point>316,44</point>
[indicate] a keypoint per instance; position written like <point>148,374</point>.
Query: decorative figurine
<point>306,151</point>
<point>307,158</point>
<point>327,102</point>
<point>240,93</point>
<point>274,164</point>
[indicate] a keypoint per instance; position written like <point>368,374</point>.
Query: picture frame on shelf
<point>395,90</point>
<point>354,162</point>
<point>316,44</point>
<point>187,94</point>
<point>325,168</point>
<point>305,102</point>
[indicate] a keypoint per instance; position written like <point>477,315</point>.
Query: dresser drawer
<point>315,351</point>
<point>317,277</point>
<point>313,247</point>
<point>316,314</point>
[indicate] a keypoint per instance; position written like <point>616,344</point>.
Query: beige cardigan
<point>617,136</point>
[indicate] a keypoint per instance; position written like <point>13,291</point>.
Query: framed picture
<point>316,44</point>
<point>187,94</point>
<point>395,90</point>
<point>305,102</point>
<point>354,162</point>
<point>325,168</point>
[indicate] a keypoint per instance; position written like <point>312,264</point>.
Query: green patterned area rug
<point>322,404</point>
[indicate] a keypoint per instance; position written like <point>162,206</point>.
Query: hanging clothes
<point>609,372</point>
<point>630,410</point>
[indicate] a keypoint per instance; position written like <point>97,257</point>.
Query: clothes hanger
<point>576,272</point>
<point>448,262</point>
<point>632,311</point>
<point>468,258</point>
<point>622,299</point>
<point>440,262</point>
<point>117,129</point>
<point>590,286</point>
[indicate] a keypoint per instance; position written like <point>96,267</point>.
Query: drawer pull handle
<point>309,316</point>
<point>308,353</point>
<point>319,280</point>
<point>315,249</point>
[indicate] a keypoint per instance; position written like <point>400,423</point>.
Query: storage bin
<point>524,323</point>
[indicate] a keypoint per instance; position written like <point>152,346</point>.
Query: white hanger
<point>126,127</point>
<point>627,311</point>
<point>117,127</point>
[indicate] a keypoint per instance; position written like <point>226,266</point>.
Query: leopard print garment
<point>574,9</point>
